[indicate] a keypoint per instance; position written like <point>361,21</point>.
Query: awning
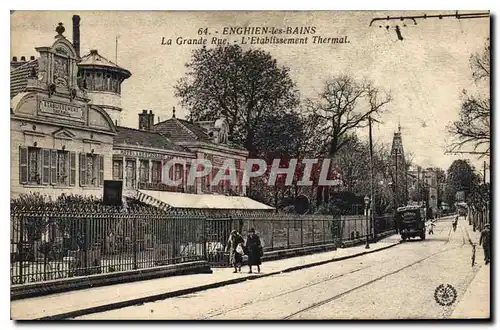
<point>151,201</point>
<point>166,199</point>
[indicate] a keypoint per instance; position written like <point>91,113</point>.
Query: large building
<point>425,186</point>
<point>67,135</point>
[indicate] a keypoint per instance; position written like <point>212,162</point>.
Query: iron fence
<point>284,231</point>
<point>54,244</point>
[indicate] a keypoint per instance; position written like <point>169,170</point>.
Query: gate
<point>217,232</point>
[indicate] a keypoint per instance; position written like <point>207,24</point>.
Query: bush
<point>329,209</point>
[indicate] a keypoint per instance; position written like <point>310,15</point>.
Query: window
<point>130,174</point>
<point>59,167</point>
<point>117,169</point>
<point>155,172</point>
<point>29,165</point>
<point>143,171</point>
<point>91,170</point>
<point>46,166</point>
<point>204,184</point>
<point>34,170</point>
<point>178,172</point>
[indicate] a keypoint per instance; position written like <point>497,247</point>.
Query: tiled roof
<point>19,77</point>
<point>95,59</point>
<point>182,130</point>
<point>199,131</point>
<point>134,137</point>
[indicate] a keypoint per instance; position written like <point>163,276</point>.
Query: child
<point>431,225</point>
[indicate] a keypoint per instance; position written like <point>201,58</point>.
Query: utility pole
<point>484,172</point>
<point>418,184</point>
<point>116,51</point>
<point>372,203</point>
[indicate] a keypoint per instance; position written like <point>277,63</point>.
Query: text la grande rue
<point>194,41</point>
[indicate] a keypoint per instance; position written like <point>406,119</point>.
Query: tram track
<point>337,296</point>
<point>331,278</point>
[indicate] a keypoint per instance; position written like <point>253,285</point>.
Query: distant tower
<point>399,169</point>
<point>102,80</point>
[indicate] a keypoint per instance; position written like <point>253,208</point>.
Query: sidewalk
<point>473,235</point>
<point>475,303</point>
<point>81,302</point>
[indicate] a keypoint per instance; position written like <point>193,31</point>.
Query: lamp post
<point>367,202</point>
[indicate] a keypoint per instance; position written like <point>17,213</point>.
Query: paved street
<point>396,283</point>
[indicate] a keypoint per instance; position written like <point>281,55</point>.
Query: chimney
<point>15,63</point>
<point>76,34</point>
<point>151,120</point>
<point>143,120</point>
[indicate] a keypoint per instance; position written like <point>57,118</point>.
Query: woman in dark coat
<point>253,250</point>
<point>235,258</point>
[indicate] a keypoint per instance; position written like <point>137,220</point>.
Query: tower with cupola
<point>100,78</point>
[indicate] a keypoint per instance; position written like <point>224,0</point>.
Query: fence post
<point>288,232</point>
<point>324,233</point>
<point>21,249</point>
<point>272,234</point>
<point>312,231</point>
<point>86,243</point>
<point>204,235</point>
<point>134,236</point>
<point>301,233</point>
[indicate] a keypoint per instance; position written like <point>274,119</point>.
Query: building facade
<point>67,137</point>
<point>60,142</point>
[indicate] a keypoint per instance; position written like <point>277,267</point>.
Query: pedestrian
<point>254,250</point>
<point>234,244</point>
<point>485,239</point>
<point>431,227</point>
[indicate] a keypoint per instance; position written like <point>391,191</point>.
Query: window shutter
<point>53,167</point>
<point>23,165</point>
<point>101,170</point>
<point>72,168</point>
<point>83,165</point>
<point>45,166</point>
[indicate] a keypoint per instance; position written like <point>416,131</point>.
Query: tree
<point>461,177</point>
<point>338,110</point>
<point>383,178</point>
<point>279,136</point>
<point>244,87</point>
<point>473,125</point>
<point>354,162</point>
<point>343,106</point>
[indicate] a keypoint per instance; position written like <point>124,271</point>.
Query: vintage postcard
<point>251,165</point>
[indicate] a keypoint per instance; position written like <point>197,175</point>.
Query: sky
<point>425,73</point>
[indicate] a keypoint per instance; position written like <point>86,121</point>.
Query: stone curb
<point>93,281</point>
<point>177,293</point>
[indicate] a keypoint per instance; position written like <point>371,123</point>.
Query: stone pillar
<point>137,172</point>
<point>124,171</point>
<point>150,170</point>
